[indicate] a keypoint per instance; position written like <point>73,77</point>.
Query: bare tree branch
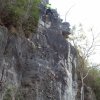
<point>69,11</point>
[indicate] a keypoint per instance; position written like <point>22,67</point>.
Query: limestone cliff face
<point>39,68</point>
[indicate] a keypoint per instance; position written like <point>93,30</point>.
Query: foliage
<point>7,95</point>
<point>10,91</point>
<point>93,80</point>
<point>23,13</point>
<point>19,96</point>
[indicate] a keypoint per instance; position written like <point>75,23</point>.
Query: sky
<point>85,12</point>
<point>82,11</point>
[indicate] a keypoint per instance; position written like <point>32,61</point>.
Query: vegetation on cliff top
<point>22,13</point>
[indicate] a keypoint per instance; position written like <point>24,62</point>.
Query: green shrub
<point>21,12</point>
<point>7,95</point>
<point>93,80</point>
<point>19,96</point>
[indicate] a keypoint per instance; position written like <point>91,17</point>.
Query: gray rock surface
<point>42,67</point>
<point>39,68</point>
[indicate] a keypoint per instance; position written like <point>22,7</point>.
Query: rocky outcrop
<point>38,68</point>
<point>41,67</point>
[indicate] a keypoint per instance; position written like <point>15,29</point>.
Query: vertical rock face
<point>8,74</point>
<point>40,68</point>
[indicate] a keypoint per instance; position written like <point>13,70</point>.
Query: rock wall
<point>39,68</point>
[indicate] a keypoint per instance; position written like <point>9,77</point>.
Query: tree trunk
<point>82,88</point>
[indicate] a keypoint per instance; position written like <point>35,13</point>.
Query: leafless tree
<point>84,53</point>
